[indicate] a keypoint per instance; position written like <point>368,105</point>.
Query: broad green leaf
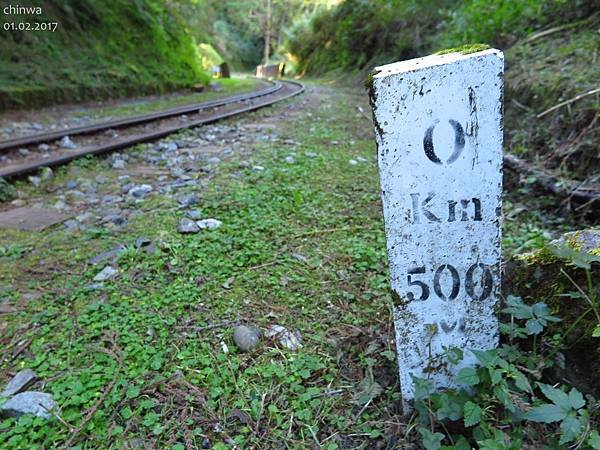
<point>455,355</point>
<point>467,375</point>
<point>546,414</point>
<point>578,258</point>
<point>521,381</point>
<point>431,441</point>
<point>596,332</point>
<point>576,399</point>
<point>542,311</point>
<point>495,376</point>
<point>594,440</point>
<point>451,407</point>
<point>472,413</point>
<point>486,357</point>
<point>533,326</point>
<point>570,427</point>
<point>557,396</point>
<point>517,308</point>
<point>423,387</point>
<point>132,392</point>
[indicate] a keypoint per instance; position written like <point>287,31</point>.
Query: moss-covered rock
<point>566,276</point>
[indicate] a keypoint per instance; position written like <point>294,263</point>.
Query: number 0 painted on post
<point>459,142</point>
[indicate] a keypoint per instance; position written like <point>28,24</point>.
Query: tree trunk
<point>268,34</point>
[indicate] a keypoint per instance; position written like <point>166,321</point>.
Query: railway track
<point>103,138</point>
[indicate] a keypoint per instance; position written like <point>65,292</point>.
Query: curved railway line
<point>101,138</point>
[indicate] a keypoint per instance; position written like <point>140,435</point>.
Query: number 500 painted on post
<point>438,126</point>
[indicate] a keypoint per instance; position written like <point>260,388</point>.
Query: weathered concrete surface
<point>31,219</point>
<point>438,124</point>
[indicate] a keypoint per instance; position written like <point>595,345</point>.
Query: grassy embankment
<point>229,86</point>
<point>106,49</point>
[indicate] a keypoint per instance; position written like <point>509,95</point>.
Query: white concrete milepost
<point>438,126</point>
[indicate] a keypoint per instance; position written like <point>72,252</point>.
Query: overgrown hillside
<point>357,34</point>
<point>544,72</point>
<point>99,49</point>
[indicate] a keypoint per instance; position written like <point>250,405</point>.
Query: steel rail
<point>25,141</point>
<point>21,169</point>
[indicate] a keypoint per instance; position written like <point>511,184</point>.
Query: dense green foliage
<point>239,27</point>
<point>359,33</point>
<point>100,48</point>
<point>356,32</point>
<point>503,402</point>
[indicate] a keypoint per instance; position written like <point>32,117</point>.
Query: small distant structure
<point>224,70</point>
<point>221,71</point>
<point>270,71</point>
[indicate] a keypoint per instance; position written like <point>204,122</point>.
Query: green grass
<point>322,208</point>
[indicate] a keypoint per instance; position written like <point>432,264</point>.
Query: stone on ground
<point>66,142</point>
<point>209,224</point>
<point>37,403</point>
<point>106,274</point>
<point>187,226</point>
<point>246,338</point>
<point>19,382</point>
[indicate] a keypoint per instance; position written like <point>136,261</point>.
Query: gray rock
<point>71,184</point>
<point>286,338</point>
<point>60,205</point>
<point>36,181</point>
<point>43,147</point>
<point>111,199</point>
<point>118,164</point>
<point>290,159</point>
<point>311,154</point>
<point>101,179</point>
<point>110,255</point>
<point>214,160</point>
<point>208,224</point>
<point>186,200</point>
<point>66,142</point>
<point>19,382</point>
<point>140,191</point>
<point>142,241</point>
<point>46,173</point>
<point>167,146</point>
<point>194,214</point>
<point>37,403</point>
<point>72,224</point>
<point>116,219</point>
<point>23,152</point>
<point>187,226</point>
<point>353,162</point>
<point>258,168</point>
<point>106,274</point>
<point>246,338</point>
<point>583,240</point>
